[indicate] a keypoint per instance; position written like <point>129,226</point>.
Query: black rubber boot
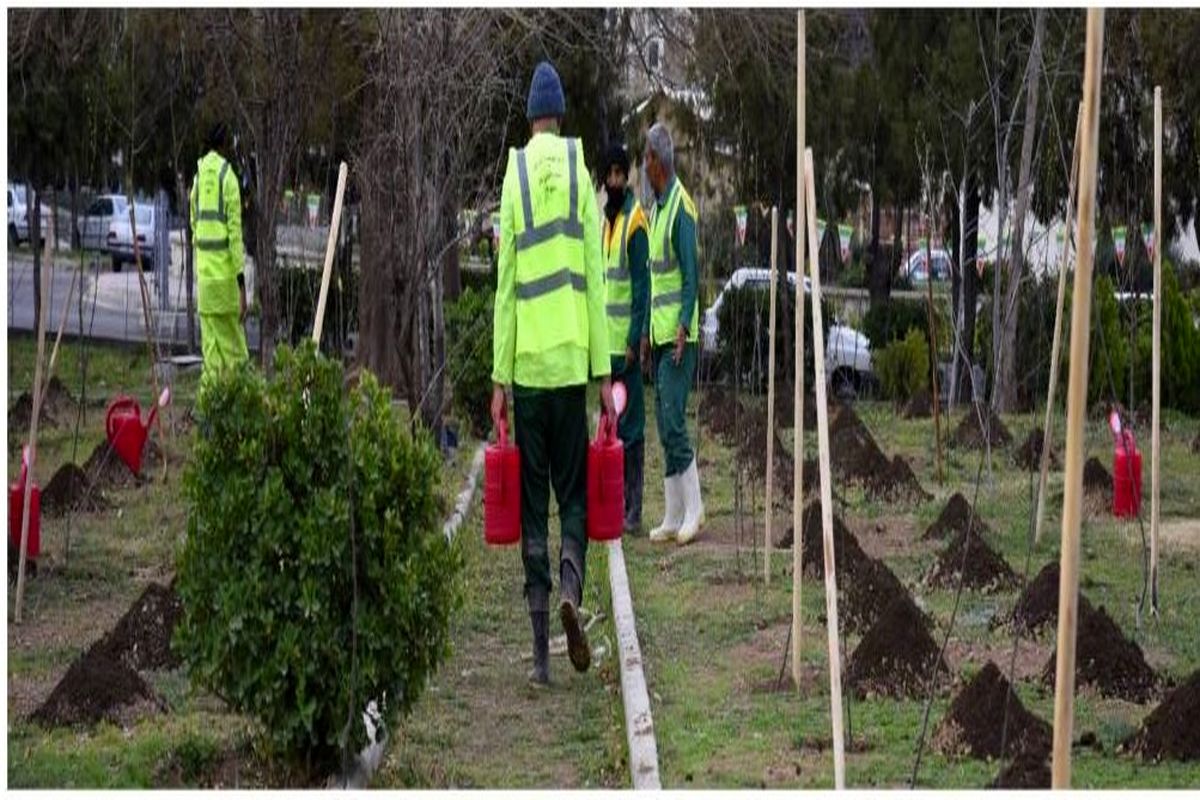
<point>568,609</point>
<point>635,459</point>
<point>539,677</point>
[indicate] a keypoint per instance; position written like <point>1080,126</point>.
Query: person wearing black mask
<point>626,249</point>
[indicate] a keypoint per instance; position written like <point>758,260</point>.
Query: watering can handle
<point>119,404</point>
<point>605,430</point>
<point>502,433</point>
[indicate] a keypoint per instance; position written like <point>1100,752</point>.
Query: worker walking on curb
<point>216,217</point>
<point>672,335</point>
<point>550,331</point>
<point>627,288</point>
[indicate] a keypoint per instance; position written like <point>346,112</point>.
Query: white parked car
<point>93,227</point>
<point>119,242</point>
<point>847,351</point>
<point>917,272</point>
<point>19,201</point>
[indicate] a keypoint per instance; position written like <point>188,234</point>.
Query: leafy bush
<point>315,576</point>
<point>903,366</point>
<point>891,321</point>
<point>469,357</point>
<point>745,333</point>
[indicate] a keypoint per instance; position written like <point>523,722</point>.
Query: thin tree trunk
<point>33,216</point>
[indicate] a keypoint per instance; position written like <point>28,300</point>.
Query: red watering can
<point>606,477</point>
<point>1127,470</point>
<point>502,491</point>
<point>125,430</point>
<point>16,505</point>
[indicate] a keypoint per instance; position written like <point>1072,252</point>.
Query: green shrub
<point>903,366</point>
<point>891,321</point>
<point>744,313</point>
<point>469,357</point>
<point>315,576</point>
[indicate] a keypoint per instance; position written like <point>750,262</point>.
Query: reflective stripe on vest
<point>214,215</point>
<point>666,278</point>
<point>215,266</point>
<point>550,285</point>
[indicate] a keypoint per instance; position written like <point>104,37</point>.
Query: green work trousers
<point>222,342</point>
<point>672,384</point>
<point>551,427</point>
<point>632,425</point>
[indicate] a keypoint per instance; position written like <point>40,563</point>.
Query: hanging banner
<point>1119,244</point>
<point>313,206</point>
<point>739,216</point>
<point>791,223</point>
<point>1148,238</point>
<point>496,229</point>
<point>844,234</point>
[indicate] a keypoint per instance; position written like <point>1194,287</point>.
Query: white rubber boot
<point>693,505</point>
<point>673,516</point>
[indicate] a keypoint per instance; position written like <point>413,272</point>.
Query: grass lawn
<point>713,637</point>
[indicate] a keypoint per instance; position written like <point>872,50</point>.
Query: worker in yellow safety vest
<point>550,332</point>
<point>216,217</point>
<point>627,289</point>
<point>672,334</point>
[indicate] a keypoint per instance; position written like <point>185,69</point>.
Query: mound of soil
<point>57,406</point>
<point>974,724</point>
<point>752,452</point>
<point>867,586</point>
<point>106,471</point>
<point>1026,771</point>
<point>1096,478</point>
<point>95,687</point>
<point>919,406</point>
<point>1037,605</point>
<point>142,638</point>
<point>970,434</point>
<point>1173,729</point>
<point>956,517</point>
<point>1106,659</point>
<point>982,567</point>
<point>70,490</point>
<point>1029,455</point>
<point>721,412</point>
<point>896,655</point>
<point>855,457</point>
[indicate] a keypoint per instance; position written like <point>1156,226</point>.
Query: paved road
<point>112,304</point>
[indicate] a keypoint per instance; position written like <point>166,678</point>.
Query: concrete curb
<point>463,503</point>
<point>639,724</point>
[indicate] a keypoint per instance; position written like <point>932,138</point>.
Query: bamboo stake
<point>1157,351</point>
<point>937,426</point>
<point>330,245</point>
<point>771,402</point>
<point>47,268</point>
<point>1057,343</point>
<point>831,601</point>
<point>798,380</point>
<point>1081,302</point>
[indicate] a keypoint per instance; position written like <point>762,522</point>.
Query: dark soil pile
<point>57,406</point>
<point>970,434</point>
<point>752,452</point>
<point>1029,455</point>
<point>855,457</point>
<point>1106,659</point>
<point>919,406</point>
<point>95,687</point>
<point>867,586</point>
<point>142,638</point>
<point>896,656</point>
<point>105,469</point>
<point>982,568</point>
<point>1173,729</point>
<point>1026,771</point>
<point>1037,605</point>
<point>70,490</point>
<point>721,412</point>
<point>955,518</point>
<point>1096,478</point>
<point>974,724</point>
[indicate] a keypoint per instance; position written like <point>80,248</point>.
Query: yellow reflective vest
<point>549,325</point>
<point>618,283</point>
<point>666,277</point>
<point>216,215</point>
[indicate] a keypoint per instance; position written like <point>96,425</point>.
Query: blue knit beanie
<point>545,94</point>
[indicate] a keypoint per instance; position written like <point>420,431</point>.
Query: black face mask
<point>614,203</point>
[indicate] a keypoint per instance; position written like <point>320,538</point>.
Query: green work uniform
<point>216,217</point>
<point>673,291</point>
<point>549,332</point>
<point>627,290</point>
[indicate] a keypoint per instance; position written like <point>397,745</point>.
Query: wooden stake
<point>798,381</point>
<point>1081,306</point>
<point>47,268</point>
<point>771,402</point>
<point>1157,351</point>
<point>937,426</point>
<point>330,246</point>
<point>1057,342</point>
<point>831,601</point>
